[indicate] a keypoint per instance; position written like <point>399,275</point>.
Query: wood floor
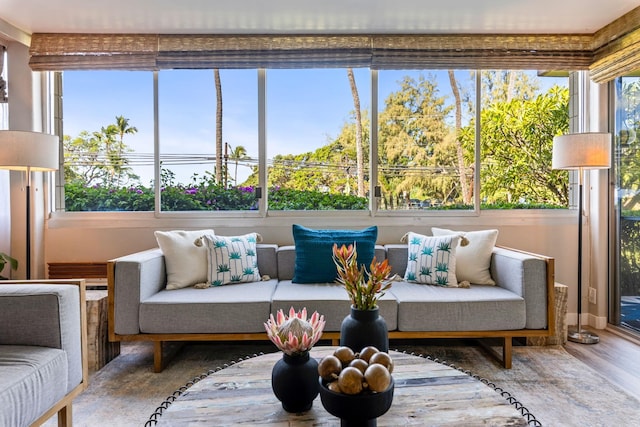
<point>615,357</point>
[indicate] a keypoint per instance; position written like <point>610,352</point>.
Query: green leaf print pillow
<point>432,259</point>
<point>231,259</point>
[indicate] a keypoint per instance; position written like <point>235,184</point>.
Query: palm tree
<point>238,153</point>
<point>359,149</point>
<point>218,84</point>
<point>122,129</point>
<point>465,186</point>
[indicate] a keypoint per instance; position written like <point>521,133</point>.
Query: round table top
<point>426,393</point>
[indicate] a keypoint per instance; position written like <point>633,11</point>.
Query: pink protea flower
<point>294,334</point>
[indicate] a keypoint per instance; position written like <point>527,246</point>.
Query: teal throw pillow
<point>231,259</point>
<point>314,250</point>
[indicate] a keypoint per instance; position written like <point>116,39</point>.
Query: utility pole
<point>226,164</point>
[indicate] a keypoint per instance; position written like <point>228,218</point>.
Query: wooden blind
<point>571,52</point>
<point>262,51</point>
<point>617,58</point>
<point>617,48</point>
<point>55,52</point>
<point>147,52</point>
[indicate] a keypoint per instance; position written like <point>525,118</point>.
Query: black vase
<point>357,410</point>
<point>363,328</point>
<point>294,380</point>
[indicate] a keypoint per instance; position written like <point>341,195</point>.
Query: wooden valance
<point>617,48</point>
<point>54,52</point>
<point>610,52</point>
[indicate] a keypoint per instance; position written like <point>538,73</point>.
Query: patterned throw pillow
<point>232,259</point>
<point>432,260</point>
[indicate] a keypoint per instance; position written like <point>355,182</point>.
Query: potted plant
<point>4,260</point>
<point>363,326</point>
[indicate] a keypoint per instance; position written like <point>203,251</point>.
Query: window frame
<point>262,211</point>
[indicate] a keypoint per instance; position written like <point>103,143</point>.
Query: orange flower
<point>364,287</point>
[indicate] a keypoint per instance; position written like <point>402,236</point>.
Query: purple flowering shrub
<point>201,196</point>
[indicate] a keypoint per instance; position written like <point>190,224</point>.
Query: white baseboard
<point>588,319</point>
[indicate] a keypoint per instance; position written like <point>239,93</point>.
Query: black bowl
<point>356,408</point>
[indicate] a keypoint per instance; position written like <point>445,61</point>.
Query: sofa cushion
<point>432,260</point>
<point>314,251</point>
<point>231,259</point>
<point>186,263</point>
<point>473,261</point>
<point>32,380</point>
<point>234,308</point>
<point>330,300</point>
<point>436,308</point>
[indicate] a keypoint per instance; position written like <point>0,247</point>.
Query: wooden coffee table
<point>426,393</point>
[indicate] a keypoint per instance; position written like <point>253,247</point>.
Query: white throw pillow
<point>432,260</point>
<point>231,259</point>
<point>473,260</point>
<point>186,263</point>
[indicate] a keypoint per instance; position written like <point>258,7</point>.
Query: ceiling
<point>311,17</point>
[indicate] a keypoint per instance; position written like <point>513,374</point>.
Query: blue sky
<point>305,109</point>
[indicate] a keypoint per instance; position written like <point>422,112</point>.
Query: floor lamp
<point>28,152</point>
<point>580,151</point>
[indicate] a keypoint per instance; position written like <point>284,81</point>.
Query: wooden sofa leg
<point>64,416</point>
<point>507,352</point>
<point>157,357</point>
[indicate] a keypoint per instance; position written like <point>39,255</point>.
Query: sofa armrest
<point>530,276</point>
<point>47,313</point>
<point>130,280</point>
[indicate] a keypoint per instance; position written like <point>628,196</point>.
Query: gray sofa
<point>43,362</point>
<point>140,308</point>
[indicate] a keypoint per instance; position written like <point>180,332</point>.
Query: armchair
<point>43,350</point>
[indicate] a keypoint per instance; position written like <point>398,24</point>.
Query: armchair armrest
<point>47,313</point>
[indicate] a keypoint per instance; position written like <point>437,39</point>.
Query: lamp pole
<point>579,335</point>
<point>28,225</point>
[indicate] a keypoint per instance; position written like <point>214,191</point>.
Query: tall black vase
<point>294,380</point>
<point>363,328</point>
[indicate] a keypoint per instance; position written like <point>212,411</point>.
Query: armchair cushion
<point>33,379</point>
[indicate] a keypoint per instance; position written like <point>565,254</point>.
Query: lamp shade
<point>20,150</point>
<point>582,150</point>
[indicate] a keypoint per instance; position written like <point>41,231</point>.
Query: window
<point>426,139</point>
<point>521,113</point>
<point>206,161</point>
<point>317,134</point>
<point>108,140</point>
<point>312,142</point>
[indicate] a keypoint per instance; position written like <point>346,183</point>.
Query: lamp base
<point>583,337</point>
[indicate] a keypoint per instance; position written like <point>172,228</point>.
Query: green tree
<point>122,128</point>
<point>516,142</point>
<point>237,154</point>
<point>412,132</point>
<point>99,158</point>
<point>505,85</point>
